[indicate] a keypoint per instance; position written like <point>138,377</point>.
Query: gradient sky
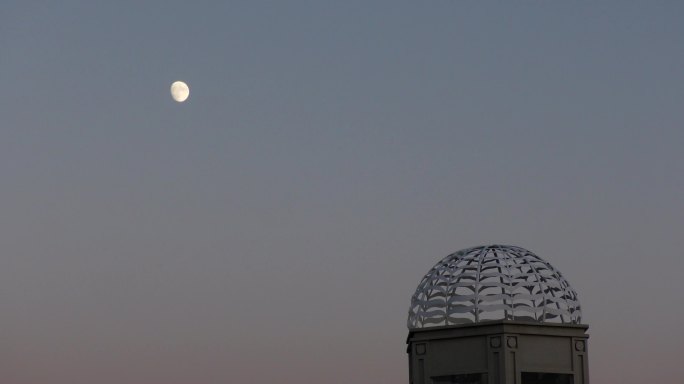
<point>273,227</point>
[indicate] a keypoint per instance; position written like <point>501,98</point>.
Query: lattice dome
<point>494,282</point>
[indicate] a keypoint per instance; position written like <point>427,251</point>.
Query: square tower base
<point>499,352</point>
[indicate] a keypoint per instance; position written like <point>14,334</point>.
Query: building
<point>496,315</point>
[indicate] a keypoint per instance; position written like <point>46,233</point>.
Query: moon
<point>180,91</point>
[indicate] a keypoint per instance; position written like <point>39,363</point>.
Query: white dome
<point>494,282</point>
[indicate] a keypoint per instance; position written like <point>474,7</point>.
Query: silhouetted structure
<point>496,315</point>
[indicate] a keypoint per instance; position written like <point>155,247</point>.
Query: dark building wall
<point>499,353</point>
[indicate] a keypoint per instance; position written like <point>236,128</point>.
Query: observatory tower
<point>496,314</point>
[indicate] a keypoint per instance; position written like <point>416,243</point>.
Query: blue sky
<point>274,226</point>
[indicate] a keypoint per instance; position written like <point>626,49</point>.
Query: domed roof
<point>493,282</point>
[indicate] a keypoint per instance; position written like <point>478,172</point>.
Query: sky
<point>273,227</point>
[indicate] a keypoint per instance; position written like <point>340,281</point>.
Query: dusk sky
<point>273,227</point>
